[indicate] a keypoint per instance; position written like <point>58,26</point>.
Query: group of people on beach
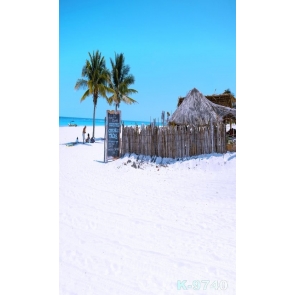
<point>88,139</point>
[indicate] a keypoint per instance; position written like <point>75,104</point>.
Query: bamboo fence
<point>174,141</point>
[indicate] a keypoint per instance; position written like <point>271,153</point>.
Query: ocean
<point>64,121</point>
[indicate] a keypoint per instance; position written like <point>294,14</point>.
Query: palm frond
<point>128,100</point>
<point>85,95</point>
<point>81,83</point>
<point>111,99</point>
<point>131,91</point>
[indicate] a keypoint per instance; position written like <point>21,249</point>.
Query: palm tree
<point>96,77</point>
<point>120,82</point>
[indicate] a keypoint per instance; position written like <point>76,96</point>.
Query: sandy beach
<point>160,228</point>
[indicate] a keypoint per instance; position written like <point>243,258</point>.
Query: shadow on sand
<point>75,144</point>
<point>101,162</point>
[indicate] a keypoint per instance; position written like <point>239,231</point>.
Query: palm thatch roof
<point>196,109</point>
<point>225,99</point>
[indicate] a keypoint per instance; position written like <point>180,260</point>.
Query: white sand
<point>144,231</point>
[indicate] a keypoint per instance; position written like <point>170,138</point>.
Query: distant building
<point>225,99</point>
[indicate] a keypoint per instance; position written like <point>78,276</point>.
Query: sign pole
<point>105,138</point>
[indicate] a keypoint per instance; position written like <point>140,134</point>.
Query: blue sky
<point>171,47</point>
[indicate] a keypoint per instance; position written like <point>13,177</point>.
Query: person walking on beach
<point>83,133</point>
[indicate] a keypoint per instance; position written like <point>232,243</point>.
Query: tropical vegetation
<point>95,80</point>
<point>120,82</point>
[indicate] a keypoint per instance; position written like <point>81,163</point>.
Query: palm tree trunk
<point>116,106</point>
<point>93,120</point>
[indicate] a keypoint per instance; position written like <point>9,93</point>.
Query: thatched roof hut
<point>225,99</point>
<point>196,109</point>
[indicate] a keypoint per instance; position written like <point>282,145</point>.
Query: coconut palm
<point>95,79</point>
<point>120,82</point>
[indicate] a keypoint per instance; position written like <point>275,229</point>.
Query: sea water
<point>65,121</point>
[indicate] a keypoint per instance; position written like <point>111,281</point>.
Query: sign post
<point>112,135</point>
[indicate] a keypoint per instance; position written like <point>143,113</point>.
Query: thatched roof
<point>225,99</point>
<point>196,109</point>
